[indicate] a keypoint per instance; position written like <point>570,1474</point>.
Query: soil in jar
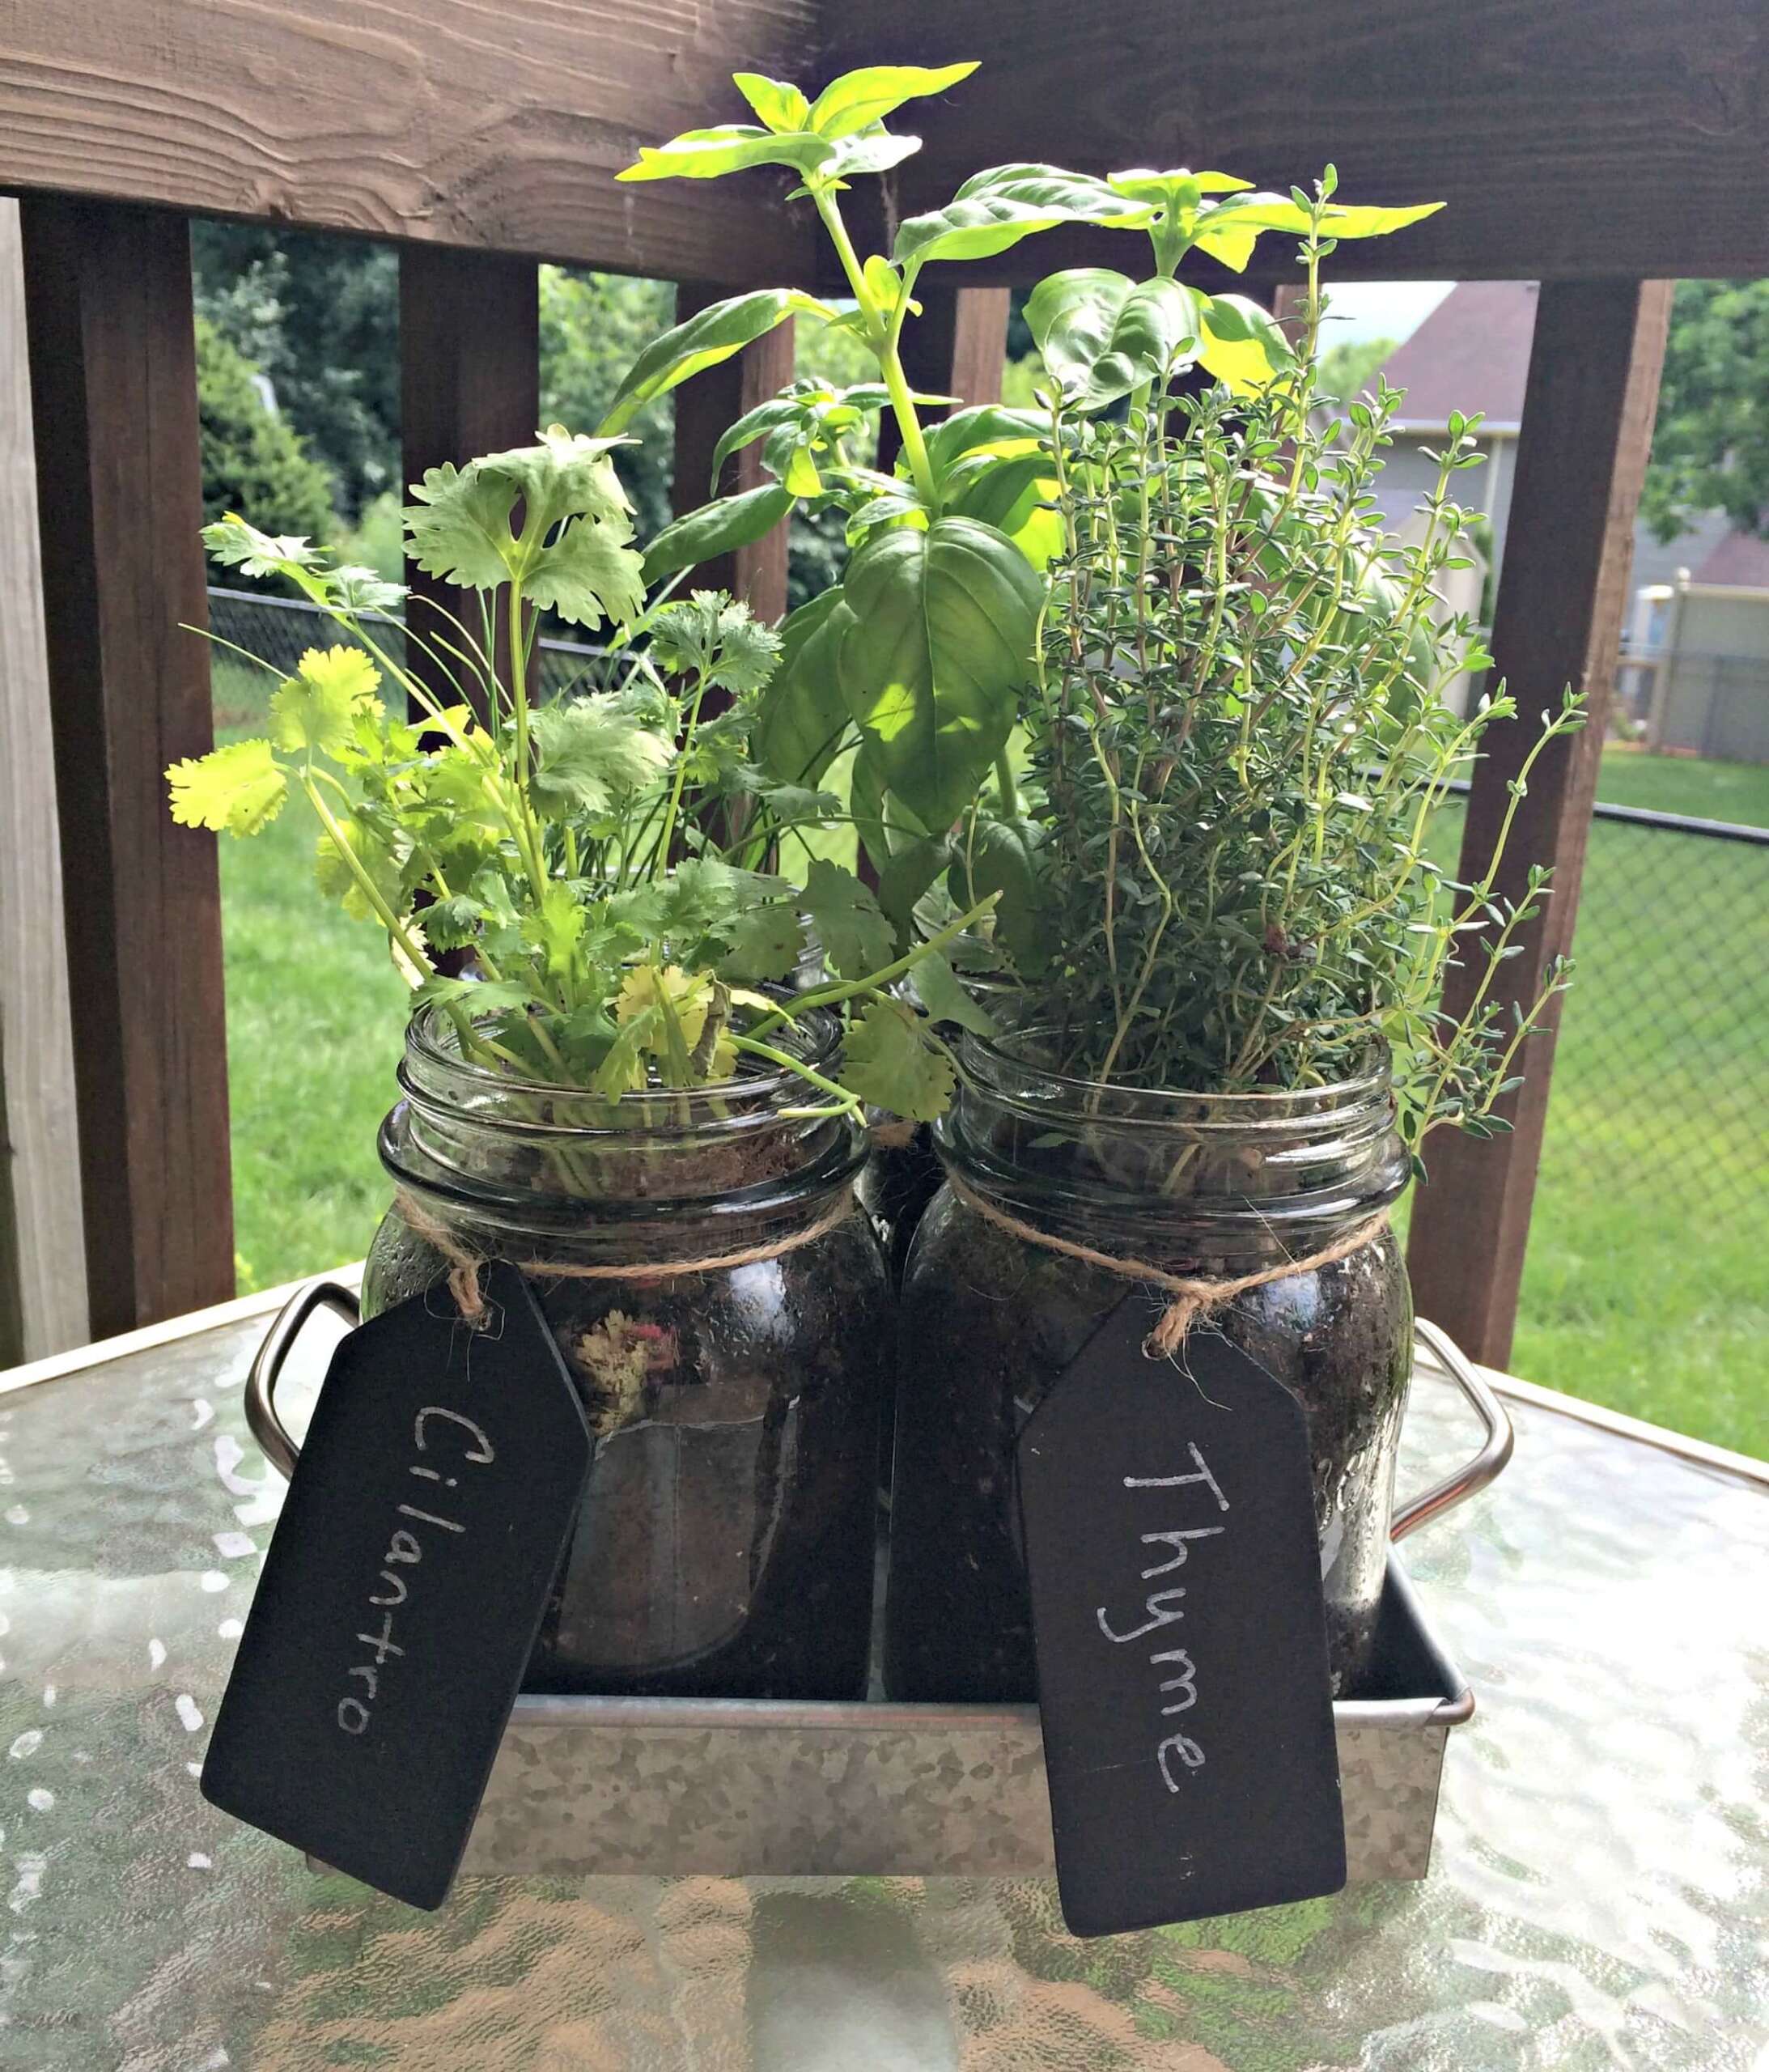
<point>725,1543</point>
<point>988,1323</point>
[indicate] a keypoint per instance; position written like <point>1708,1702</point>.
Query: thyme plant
<point>567,852</point>
<point>1240,735</point>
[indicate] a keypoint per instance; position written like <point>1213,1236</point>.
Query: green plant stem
<point>661,864</point>
<point>370,892</point>
<point>832,996</point>
<point>883,339</point>
<point>752,1048</point>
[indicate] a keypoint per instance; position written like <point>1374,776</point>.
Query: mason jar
<point>1202,1185</point>
<point>724,1546</point>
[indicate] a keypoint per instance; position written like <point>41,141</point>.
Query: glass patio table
<point>1599,1894</point>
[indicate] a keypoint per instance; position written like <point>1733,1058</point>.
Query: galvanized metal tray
<point>738,1788</point>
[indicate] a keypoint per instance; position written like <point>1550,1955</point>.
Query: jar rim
<point>1276,1104</point>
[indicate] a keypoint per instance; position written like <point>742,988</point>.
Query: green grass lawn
<point>1645,1285</point>
<point>1678,783</point>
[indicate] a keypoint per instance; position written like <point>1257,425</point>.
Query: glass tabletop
<point>1599,1894</point>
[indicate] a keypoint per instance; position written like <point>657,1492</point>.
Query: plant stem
<point>883,339</point>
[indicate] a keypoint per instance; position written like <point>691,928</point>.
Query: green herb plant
<point>1239,738</point>
<point>566,852</point>
<point>917,657</point>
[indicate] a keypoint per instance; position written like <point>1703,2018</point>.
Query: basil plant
<point>917,659</point>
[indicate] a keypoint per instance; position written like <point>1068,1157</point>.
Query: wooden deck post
<point>1587,431</point>
<point>113,395</point>
<point>705,408</point>
<point>470,354</point>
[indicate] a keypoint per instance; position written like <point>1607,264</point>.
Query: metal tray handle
<point>1501,1439</point>
<point>266,1426</point>
<point>281,1450</point>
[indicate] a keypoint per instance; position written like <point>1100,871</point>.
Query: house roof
<point>1472,353</point>
<point>1739,562</point>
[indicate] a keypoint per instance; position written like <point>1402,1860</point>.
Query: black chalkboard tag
<point>403,1588</point>
<point>1181,1635</point>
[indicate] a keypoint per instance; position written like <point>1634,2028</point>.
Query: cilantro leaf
<point>451,923</point>
<point>856,935</point>
<point>766,943</point>
<point>946,997</point>
<point>235,790</point>
<point>590,574</point>
<point>588,752</point>
<point>477,995</point>
<point>572,553</point>
<point>317,708</point>
<point>380,861</point>
<point>710,635</point>
<point>891,1064</point>
<point>356,589</point>
<point>236,545</point>
<point>554,927</point>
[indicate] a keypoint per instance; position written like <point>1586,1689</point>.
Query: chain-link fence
<point>279,629</point>
<point>1661,1068</point>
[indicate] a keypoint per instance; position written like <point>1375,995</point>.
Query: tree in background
<point>1711,447</point>
<point>1347,369</point>
<point>320,318</point>
<point>253,458</point>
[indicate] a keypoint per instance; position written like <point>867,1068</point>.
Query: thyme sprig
<point>1242,729</point>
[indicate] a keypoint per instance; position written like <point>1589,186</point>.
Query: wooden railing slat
<point>113,391</point>
<point>469,341</point>
<point>440,121</point>
<point>1587,431</point>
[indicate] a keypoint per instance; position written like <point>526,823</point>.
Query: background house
<point>1695,654</point>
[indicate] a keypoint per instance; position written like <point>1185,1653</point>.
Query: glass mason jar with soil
<point>1211,1186</point>
<point>725,1544</point>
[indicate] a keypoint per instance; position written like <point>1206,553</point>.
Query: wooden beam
<point>442,121</point>
<point>957,346</point>
<point>1586,434</point>
<point>113,395</point>
<point>42,1240</point>
<point>1587,139</point>
<point>469,351</point>
<point>706,407</point>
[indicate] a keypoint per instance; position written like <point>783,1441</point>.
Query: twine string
<point>1193,1297</point>
<point>465,1264</point>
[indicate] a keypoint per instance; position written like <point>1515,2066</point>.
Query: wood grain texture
<point>457,122</point>
<point>113,395</point>
<point>1589,139</point>
<point>957,346</point>
<point>1587,431</point>
<point>42,1240</point>
<point>706,407</point>
<point>470,345</point>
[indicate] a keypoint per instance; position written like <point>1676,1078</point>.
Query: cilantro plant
<point>1240,736</point>
<point>565,851</point>
<point>918,657</point>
